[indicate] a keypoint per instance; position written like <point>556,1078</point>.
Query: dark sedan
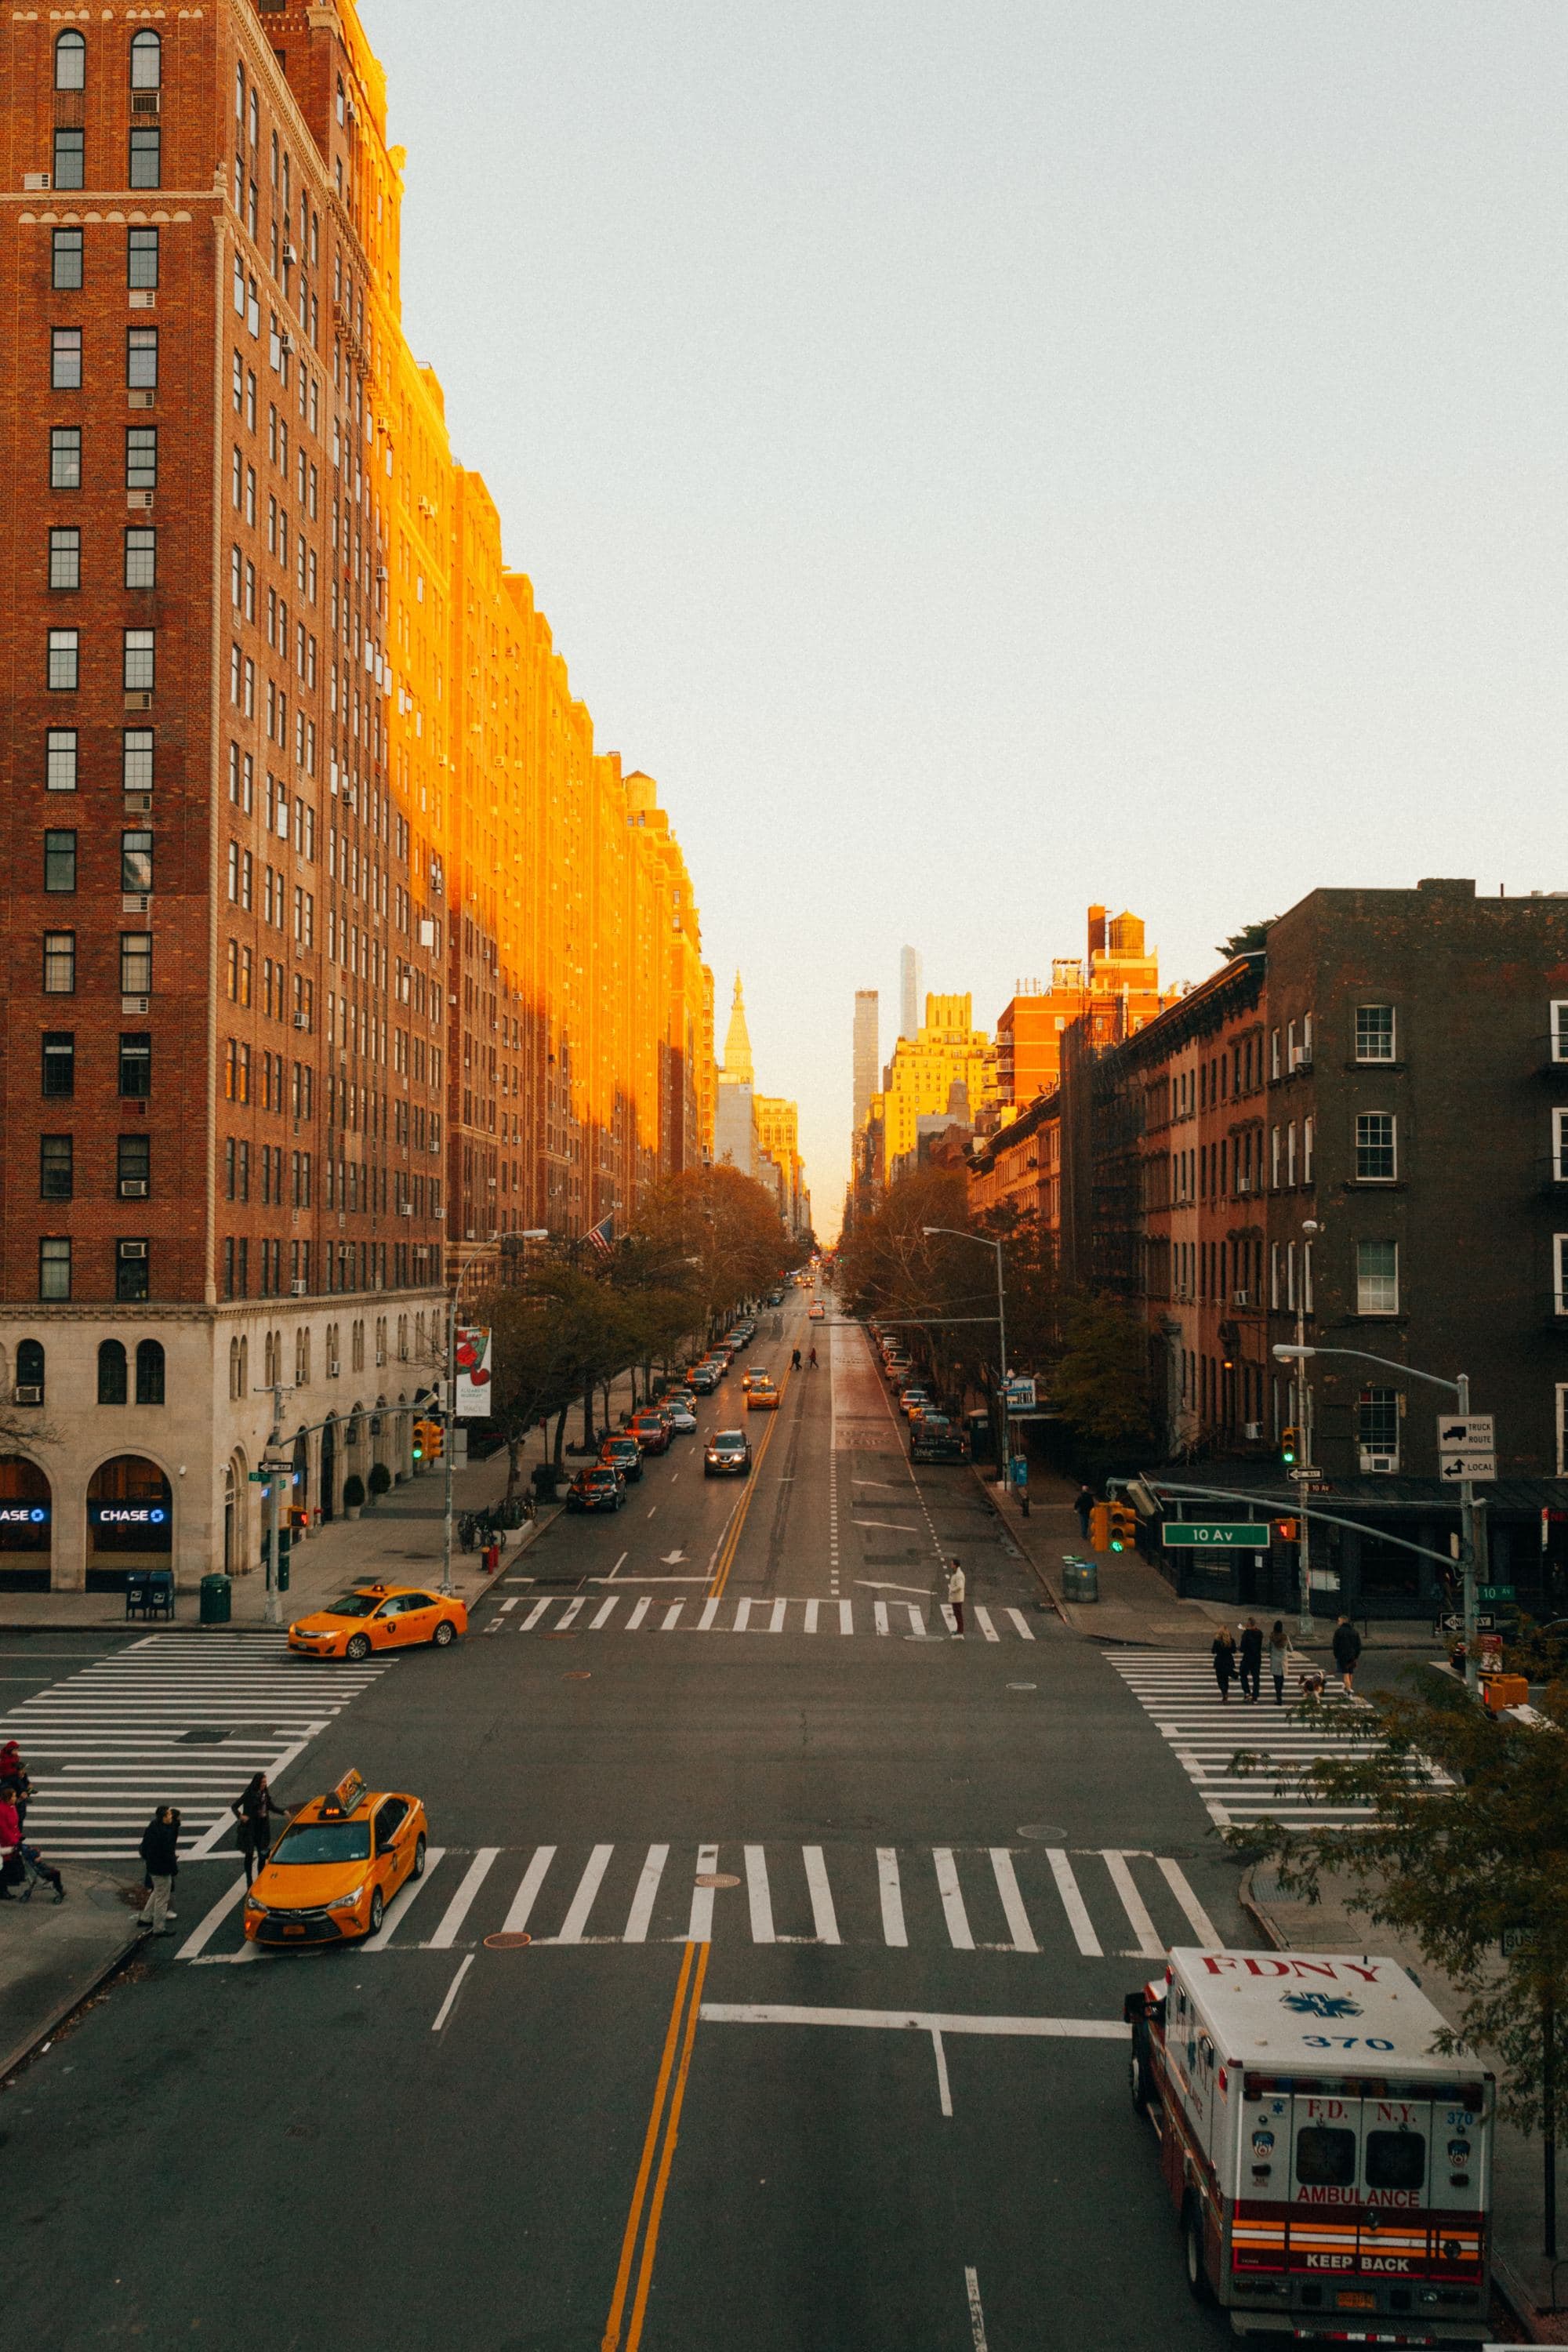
<point>598,1489</point>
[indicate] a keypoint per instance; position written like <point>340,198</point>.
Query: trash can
<point>217,1600</point>
<point>1080,1580</point>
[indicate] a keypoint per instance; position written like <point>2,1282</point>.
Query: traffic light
<point>430,1441</point>
<point>285,1544</point>
<point>1287,1446</point>
<point>1287,1530</point>
<point>1123,1527</point>
<point>1099,1526</point>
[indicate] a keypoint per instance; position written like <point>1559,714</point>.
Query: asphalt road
<point>865,2092</point>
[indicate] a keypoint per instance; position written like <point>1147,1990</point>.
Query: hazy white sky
<point>986,458</point>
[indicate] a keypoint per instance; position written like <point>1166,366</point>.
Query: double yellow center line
<point>731,1542</point>
<point>623,2330</point>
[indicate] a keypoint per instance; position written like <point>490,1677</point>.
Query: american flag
<point>603,1235</point>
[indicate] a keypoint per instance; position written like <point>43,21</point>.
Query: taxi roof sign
<point>349,1793</point>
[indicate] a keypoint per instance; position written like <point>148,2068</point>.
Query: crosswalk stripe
<point>571,1611</point>
<point>643,1901</point>
<point>1018,1918</point>
<point>1142,1927</point>
<point>208,1928</point>
<point>639,1610</point>
<point>582,1904</point>
<point>846,1617</point>
<point>672,1616</point>
<point>982,1619</point>
<point>756,1613</point>
<point>456,1911</point>
<point>403,1902</point>
<point>1180,1698</point>
<point>1073,1904</point>
<point>890,1892</point>
<point>606,1611</point>
<point>710,1611</point>
<point>516,1919</point>
<point>1203,1926</point>
<point>824,1921</point>
<point>759,1900</point>
<point>536,1613</point>
<point>1021,1621</point>
<point>810,1609</point>
<point>699,1928</point>
<point>959,1934</point>
<point>879,1615</point>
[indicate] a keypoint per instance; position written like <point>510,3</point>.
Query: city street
<point>851,1915</point>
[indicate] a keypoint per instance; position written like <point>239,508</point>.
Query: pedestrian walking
<point>1083,1504</point>
<point>11,1868</point>
<point>811,1362</point>
<point>795,1362</point>
<point>14,1781</point>
<point>254,1811</point>
<point>1347,1651</point>
<point>1278,1648</point>
<point>956,1589</point>
<point>1224,1654</point>
<point>160,1841</point>
<point>1251,1660</point>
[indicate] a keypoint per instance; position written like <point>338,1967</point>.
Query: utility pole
<point>449,1417</point>
<point>277,1469</point>
<point>1304,1438</point>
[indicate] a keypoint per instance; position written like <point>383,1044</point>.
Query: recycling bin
<point>217,1600</point>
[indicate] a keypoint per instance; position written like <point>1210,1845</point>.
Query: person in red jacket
<point>10,1839</point>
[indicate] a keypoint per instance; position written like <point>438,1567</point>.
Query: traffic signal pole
<point>448,1415</point>
<point>1303,1482</point>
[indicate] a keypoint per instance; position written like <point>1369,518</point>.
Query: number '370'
<point>1344,2042</point>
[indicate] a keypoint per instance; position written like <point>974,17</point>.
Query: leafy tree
<point>1248,940</point>
<point>1102,1380</point>
<point>1465,1840</point>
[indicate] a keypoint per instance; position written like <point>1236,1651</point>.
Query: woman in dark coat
<point>254,1811</point>
<point>1223,1651</point>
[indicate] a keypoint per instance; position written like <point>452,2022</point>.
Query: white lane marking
<point>509,1605</point>
<point>442,2014</point>
<point>877,1482</point>
<point>880,1612</point>
<point>198,1940</point>
<point>403,1902</point>
<point>643,1900</point>
<point>456,1911</point>
<point>639,1610</point>
<point>710,1611</point>
<point>672,1618</point>
<point>582,1901</point>
<point>959,1932</point>
<point>892,1893</point>
<point>1018,1925</point>
<point>776,1622</point>
<point>605,1611</point>
<point>881,1584</point>
<point>1025,1628</point>
<point>825,1924</point>
<point>532,1879</point>
<point>743,1616</point>
<point>917,1620</point>
<point>1198,1919</point>
<point>888,1527</point>
<point>655,1508</point>
<point>943,2089</point>
<point>1149,1943</point>
<point>571,1609</point>
<point>982,1619</point>
<point>699,1928</point>
<point>535,1613</point>
<point>976,2315</point>
<point>758,1896</point>
<point>948,1619</point>
<point>620,1564</point>
<point>1073,1904</point>
<point>811,1609</point>
<point>846,1617</point>
<point>1046,2029</point>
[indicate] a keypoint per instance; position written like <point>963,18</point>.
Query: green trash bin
<point>217,1600</point>
<point>1089,1579</point>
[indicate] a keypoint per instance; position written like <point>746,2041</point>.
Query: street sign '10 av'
<point>1232,1535</point>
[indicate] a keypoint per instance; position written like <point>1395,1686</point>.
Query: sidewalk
<point>1523,2271</point>
<point>1135,1604</point>
<point>54,1956</point>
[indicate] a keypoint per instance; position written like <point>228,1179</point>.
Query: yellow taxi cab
<point>761,1395</point>
<point>380,1617</point>
<point>336,1867</point>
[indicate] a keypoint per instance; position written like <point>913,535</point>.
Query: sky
<point>986,458</point>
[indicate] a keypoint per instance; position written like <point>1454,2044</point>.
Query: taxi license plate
<point>1355,2300</point>
<point>293,1928</point>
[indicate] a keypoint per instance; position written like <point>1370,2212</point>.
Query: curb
<point>36,2036</point>
<point>1035,1571</point>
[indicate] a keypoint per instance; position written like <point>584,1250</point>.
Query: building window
<point>141,457</point>
<point>58,1076</point>
<point>1562,1421</point>
<point>134,1167</point>
<point>135,963</point>
<point>150,1372</point>
<point>130,1271</point>
<point>135,860</point>
<point>146,141</point>
<point>1560,1031</point>
<point>60,963</point>
<point>59,861</point>
<point>66,273</point>
<point>142,260</point>
<point>1374,1033</point>
<point>141,646</point>
<point>1377,1277</point>
<point>135,1065</point>
<point>1560,1274</point>
<point>65,457</point>
<point>71,62</point>
<point>1309,1127</point>
<point>70,158</point>
<point>65,359</point>
<point>113,1385</point>
<point>146,61</point>
<point>1560,1147</point>
<point>142,359</point>
<point>1378,1422</point>
<point>55,1266</point>
<point>56,1171</point>
<point>137,759</point>
<point>64,558</point>
<point>65,660</point>
<point>140,558</point>
<point>1375,1148</point>
<point>59,759</point>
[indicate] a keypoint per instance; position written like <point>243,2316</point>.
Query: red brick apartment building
<point>223,1046</point>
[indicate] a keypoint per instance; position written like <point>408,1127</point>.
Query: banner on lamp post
<point>472,1402</point>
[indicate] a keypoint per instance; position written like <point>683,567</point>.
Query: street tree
<point>1102,1382</point>
<point>1464,1847</point>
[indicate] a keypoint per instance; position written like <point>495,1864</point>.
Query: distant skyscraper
<point>910,993</point>
<point>867,1049</point>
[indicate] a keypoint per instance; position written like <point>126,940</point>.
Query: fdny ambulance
<point>1332,2172</point>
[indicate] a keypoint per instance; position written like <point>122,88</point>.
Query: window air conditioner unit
<point>134,1188</point>
<point>144,102</point>
<point>1244,1183</point>
<point>301,1022</point>
<point>143,299</point>
<point>1380,1463</point>
<point>138,1004</point>
<point>140,399</point>
<point>290,254</point>
<point>1241,1297</point>
<point>134,1249</point>
<point>139,501</point>
<point>138,803</point>
<point>333,1367</point>
<point>34,182</point>
<point>29,1392</point>
<point>298,1289</point>
<point>380,1356</point>
<point>1253,1429</point>
<point>138,702</point>
<point>136,902</point>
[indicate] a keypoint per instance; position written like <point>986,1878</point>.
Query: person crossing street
<point>956,1588</point>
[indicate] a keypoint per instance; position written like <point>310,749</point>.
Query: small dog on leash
<point>1312,1683</point>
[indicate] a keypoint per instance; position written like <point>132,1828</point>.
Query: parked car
<point>934,1438</point>
<point>622,1453</point>
<point>682,1419</point>
<point>913,1402</point>
<point>652,1432</point>
<point>729,1455</point>
<point>600,1488</point>
<point>704,1377</point>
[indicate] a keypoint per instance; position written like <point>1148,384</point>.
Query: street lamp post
<point>1472,1519</point>
<point>449,1415</point>
<point>1304,1435</point>
<point>275,1468</point>
<point>1002,1433</point>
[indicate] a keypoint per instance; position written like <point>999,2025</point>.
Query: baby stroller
<point>38,1873</point>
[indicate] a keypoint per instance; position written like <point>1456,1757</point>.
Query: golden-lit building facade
<point>778,1140</point>
<point>946,1051</point>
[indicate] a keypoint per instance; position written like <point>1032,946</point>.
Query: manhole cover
<point>1047,1832</point>
<point>507,1942</point>
<point>578,1675</point>
<point>716,1878</point>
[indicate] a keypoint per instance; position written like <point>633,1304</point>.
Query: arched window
<point>150,1372</point>
<point>30,1387</point>
<point>112,1374</point>
<point>146,61</point>
<point>71,62</point>
<point>234,1388</point>
<point>243,1366</point>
